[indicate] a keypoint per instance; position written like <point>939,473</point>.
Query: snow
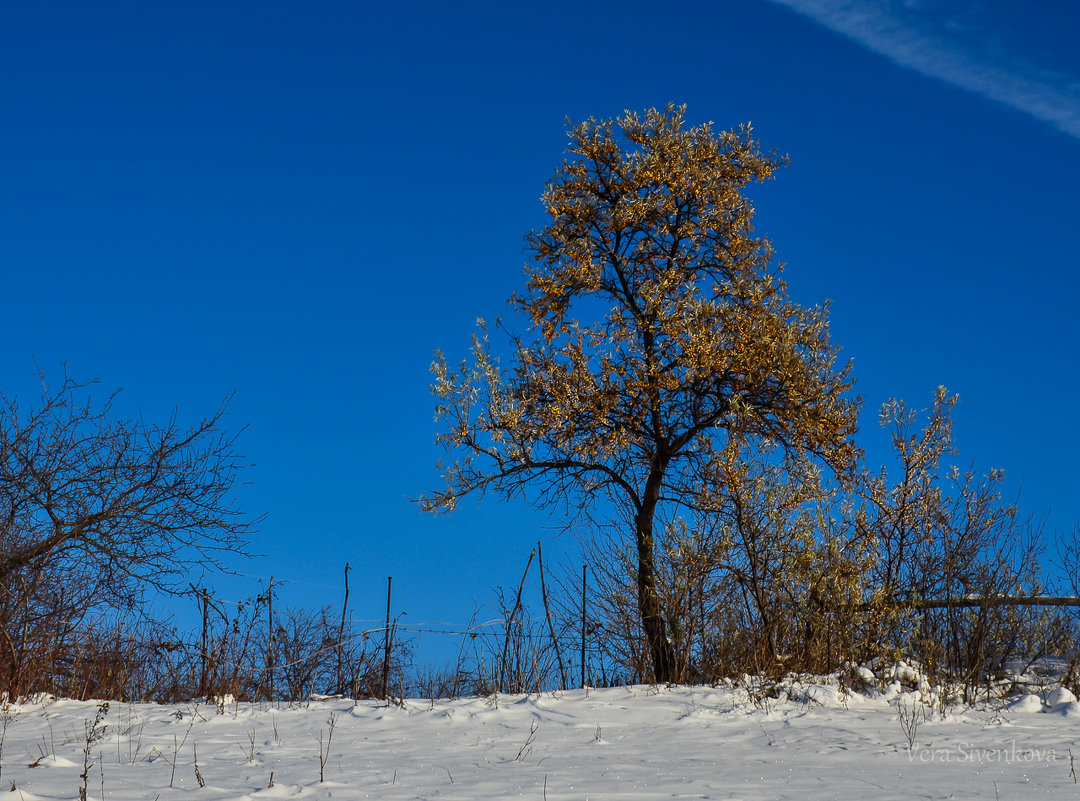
<point>816,739</point>
<point>1060,698</point>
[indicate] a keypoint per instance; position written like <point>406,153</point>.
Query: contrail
<point>895,31</point>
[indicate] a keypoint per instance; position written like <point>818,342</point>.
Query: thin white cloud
<point>898,31</point>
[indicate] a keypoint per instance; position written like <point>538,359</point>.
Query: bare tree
<point>105,507</point>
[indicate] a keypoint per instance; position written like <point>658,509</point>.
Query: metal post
<point>584,568</point>
<point>386,644</point>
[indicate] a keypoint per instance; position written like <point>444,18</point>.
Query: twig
<point>526,749</point>
<point>324,753</point>
<point>94,732</point>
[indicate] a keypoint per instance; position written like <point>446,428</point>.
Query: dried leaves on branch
<point>661,343</point>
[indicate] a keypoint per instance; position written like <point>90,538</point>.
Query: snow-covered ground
<point>814,742</point>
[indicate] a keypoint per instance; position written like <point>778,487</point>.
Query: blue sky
<point>299,202</point>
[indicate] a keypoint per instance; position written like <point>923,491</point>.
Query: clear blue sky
<point>299,202</point>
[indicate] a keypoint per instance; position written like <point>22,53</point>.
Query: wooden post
<point>201,595</point>
<point>386,644</point>
<point>504,668</point>
<point>341,634</point>
<point>270,623</point>
<point>547,613</point>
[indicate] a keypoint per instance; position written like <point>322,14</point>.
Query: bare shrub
<point>94,509</point>
<point>516,657</point>
<point>911,715</point>
<point>947,534</point>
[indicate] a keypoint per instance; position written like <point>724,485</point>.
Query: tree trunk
<point>649,605</point>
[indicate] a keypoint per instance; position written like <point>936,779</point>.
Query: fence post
<point>201,595</point>
<point>584,568</point>
<point>386,645</point>
<point>504,668</point>
<point>341,634</point>
<point>270,623</point>
<point>547,613</point>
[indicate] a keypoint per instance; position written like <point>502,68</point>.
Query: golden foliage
<point>662,342</point>
<point>661,328</point>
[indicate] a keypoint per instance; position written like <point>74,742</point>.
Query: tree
<point>692,347</point>
<point>105,506</point>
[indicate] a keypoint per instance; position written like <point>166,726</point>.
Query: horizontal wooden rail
<point>967,603</point>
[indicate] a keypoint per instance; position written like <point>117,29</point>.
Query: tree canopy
<point>661,342</point>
